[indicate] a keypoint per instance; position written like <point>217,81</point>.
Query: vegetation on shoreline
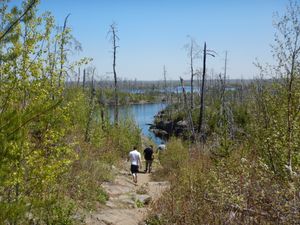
<point>246,169</point>
<point>238,160</point>
<point>55,147</point>
<point>238,189</point>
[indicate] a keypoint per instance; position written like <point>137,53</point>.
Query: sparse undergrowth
<point>239,189</point>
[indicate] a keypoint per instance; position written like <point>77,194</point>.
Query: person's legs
<point>150,165</point>
<point>134,170</point>
<point>147,165</point>
<point>135,177</point>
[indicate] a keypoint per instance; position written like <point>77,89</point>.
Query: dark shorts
<point>134,169</point>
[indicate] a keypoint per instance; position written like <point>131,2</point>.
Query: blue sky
<point>153,33</point>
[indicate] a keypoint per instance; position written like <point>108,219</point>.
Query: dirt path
<point>128,203</point>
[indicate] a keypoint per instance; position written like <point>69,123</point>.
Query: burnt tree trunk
<point>114,38</point>
<point>78,78</point>
<point>192,74</point>
<point>201,115</point>
<point>62,50</point>
<point>83,79</point>
<point>190,119</point>
<point>91,110</point>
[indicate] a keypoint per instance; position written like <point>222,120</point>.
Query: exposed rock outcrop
<point>167,128</point>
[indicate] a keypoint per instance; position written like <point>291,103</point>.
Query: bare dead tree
<point>202,92</point>
<point>83,79</point>
<point>165,82</point>
<point>91,110</point>
<point>190,119</point>
<point>114,38</point>
<point>223,87</point>
<point>62,50</point>
<point>201,115</point>
<point>78,77</point>
<point>193,53</point>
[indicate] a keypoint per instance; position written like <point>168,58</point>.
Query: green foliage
<point>46,167</point>
<point>34,121</point>
<point>139,204</point>
<point>102,196</point>
<point>54,211</point>
<point>123,137</point>
<point>126,98</point>
<point>203,192</point>
<point>174,157</point>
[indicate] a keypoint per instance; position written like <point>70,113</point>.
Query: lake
<point>142,114</point>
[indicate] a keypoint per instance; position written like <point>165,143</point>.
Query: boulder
<point>182,123</point>
<point>145,199</point>
<point>160,133</point>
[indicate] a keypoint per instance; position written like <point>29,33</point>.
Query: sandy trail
<point>128,203</point>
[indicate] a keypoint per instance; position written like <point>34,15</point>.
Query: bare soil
<point>128,203</point>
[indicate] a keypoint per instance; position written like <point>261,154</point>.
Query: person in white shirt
<point>135,160</point>
<point>161,147</point>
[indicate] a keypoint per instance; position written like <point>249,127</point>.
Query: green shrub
<point>175,156</point>
<point>102,196</point>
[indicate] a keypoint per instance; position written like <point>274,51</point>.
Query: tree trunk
<point>114,41</point>
<point>83,79</point>
<point>289,116</point>
<point>78,78</point>
<point>201,115</point>
<point>62,50</point>
<point>91,108</point>
<point>190,119</point>
<point>192,75</point>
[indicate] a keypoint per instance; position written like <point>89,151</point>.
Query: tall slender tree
<point>201,114</point>
<point>114,39</point>
<point>193,53</point>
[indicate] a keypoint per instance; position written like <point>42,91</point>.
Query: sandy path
<point>128,203</point>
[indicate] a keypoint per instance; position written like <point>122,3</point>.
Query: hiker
<point>161,147</point>
<point>148,155</point>
<point>135,160</point>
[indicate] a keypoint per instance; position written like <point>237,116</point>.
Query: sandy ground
<point>128,203</point>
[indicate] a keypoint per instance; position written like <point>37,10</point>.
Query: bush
<point>239,189</point>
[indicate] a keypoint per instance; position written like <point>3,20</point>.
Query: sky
<point>153,33</point>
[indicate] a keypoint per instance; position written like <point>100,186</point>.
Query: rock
<point>160,133</point>
<point>115,189</point>
<point>145,199</point>
<point>118,217</point>
<point>182,123</point>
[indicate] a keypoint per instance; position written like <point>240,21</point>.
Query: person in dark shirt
<point>148,155</point>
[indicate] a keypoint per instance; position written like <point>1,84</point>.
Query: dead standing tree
<point>64,36</point>
<point>201,115</point>
<point>193,53</point>
<point>222,94</point>
<point>165,83</point>
<point>190,119</point>
<point>114,38</point>
<point>91,109</point>
<point>78,77</point>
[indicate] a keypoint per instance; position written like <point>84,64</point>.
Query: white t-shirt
<point>162,147</point>
<point>134,156</point>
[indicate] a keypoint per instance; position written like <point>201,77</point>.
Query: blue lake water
<point>176,89</point>
<point>142,114</point>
